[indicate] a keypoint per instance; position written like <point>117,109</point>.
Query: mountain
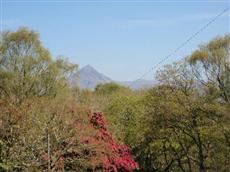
<point>89,78</point>
<point>139,84</point>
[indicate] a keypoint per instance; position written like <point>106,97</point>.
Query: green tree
<point>124,116</point>
<point>26,67</point>
<point>184,131</point>
<point>211,66</point>
<point>110,88</point>
<point>187,130</point>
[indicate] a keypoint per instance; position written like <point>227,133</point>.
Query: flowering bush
<point>119,157</point>
<point>94,145</point>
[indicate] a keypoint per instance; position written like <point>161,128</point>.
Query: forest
<point>181,124</point>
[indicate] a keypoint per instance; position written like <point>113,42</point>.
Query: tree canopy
<point>181,124</point>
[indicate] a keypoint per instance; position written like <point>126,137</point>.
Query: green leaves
<point>110,88</point>
<point>182,124</point>
<point>198,55</point>
<point>27,70</point>
<point>211,65</point>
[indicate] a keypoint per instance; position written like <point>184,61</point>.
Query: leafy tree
<point>183,132</point>
<point>187,130</point>
<point>211,65</point>
<point>124,115</point>
<point>110,88</point>
<point>182,124</point>
<point>26,67</point>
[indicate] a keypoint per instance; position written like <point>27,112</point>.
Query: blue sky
<point>121,39</point>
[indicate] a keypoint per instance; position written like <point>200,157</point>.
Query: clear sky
<point>121,39</point>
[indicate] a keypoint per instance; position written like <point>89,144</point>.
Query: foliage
<point>110,88</point>
<point>211,64</point>
<point>124,115</point>
<point>181,124</point>
<point>117,157</point>
<point>43,122</point>
<point>26,67</point>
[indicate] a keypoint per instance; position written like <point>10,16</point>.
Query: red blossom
<point>109,155</point>
<point>120,157</point>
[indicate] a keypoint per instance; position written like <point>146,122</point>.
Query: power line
<point>182,45</point>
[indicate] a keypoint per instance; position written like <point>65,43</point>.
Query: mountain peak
<point>89,78</point>
<point>88,68</point>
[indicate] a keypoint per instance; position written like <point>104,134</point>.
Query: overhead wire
<point>181,45</point>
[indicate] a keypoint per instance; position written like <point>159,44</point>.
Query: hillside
<point>89,78</point>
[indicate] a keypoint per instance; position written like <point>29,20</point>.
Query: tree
<point>110,88</point>
<point>124,113</point>
<point>26,67</point>
<point>183,131</point>
<point>211,65</point>
<point>186,129</point>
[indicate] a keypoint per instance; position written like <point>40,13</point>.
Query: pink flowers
<point>120,157</point>
<point>106,153</point>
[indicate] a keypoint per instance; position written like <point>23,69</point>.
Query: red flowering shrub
<point>94,145</point>
<point>119,157</point>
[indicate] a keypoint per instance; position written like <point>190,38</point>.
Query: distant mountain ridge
<point>139,84</point>
<point>89,78</point>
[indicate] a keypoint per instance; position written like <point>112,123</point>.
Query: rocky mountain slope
<point>89,78</point>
